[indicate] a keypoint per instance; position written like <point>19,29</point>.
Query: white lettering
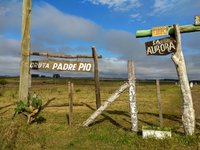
<point>81,66</point>
<point>55,65</point>
<point>171,45</point>
<point>47,66</point>
<point>65,66</point>
<point>74,67</point>
<point>88,67</point>
<point>156,42</point>
<point>59,66</point>
<point>160,48</point>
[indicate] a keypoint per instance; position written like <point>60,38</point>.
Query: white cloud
<point>113,65</point>
<point>121,43</point>
<point>55,26</point>
<point>9,46</point>
<point>10,15</point>
<point>174,7</point>
<point>118,5</point>
<point>9,65</point>
<point>53,31</point>
<point>161,6</point>
<point>137,17</point>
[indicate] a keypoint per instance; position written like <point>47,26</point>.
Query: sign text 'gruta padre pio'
<point>161,46</point>
<point>62,65</point>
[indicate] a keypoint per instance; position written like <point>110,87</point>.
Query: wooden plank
<point>159,102</point>
<point>160,31</point>
<point>188,116</point>
<point>96,78</point>
<point>183,29</point>
<point>62,65</point>
<point>25,51</point>
<point>111,99</point>
<point>65,104</point>
<point>162,46</point>
<point>62,55</point>
<point>132,96</point>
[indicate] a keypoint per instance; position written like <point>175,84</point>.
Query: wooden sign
<point>161,46</point>
<point>61,65</point>
<point>197,21</point>
<point>160,31</point>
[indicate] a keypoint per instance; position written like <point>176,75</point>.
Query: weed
<point>3,82</point>
<point>78,90</point>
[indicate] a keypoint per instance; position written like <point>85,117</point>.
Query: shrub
<point>3,82</point>
<point>30,108</point>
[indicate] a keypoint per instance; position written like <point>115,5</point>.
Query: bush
<point>30,108</point>
<point>3,82</point>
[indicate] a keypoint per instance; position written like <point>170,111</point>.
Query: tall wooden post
<point>132,95</point>
<point>70,95</point>
<point>25,50</point>
<point>159,102</point>
<point>188,116</point>
<point>96,78</point>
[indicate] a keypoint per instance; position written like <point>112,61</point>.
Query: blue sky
<point>73,26</point>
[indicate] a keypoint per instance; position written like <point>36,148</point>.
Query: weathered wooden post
<point>108,102</point>
<point>25,50</point>
<point>188,116</point>
<point>70,95</point>
<point>159,102</point>
<point>96,78</point>
<point>132,95</point>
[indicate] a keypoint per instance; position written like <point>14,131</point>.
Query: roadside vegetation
<point>111,130</point>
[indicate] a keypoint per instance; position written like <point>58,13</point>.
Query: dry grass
<point>111,130</point>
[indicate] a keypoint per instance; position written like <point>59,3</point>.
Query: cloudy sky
<point>74,26</point>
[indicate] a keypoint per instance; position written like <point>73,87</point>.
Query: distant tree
<point>43,76</point>
<point>56,75</point>
<point>35,75</point>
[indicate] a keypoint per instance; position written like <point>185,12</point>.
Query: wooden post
<point>29,81</point>
<point>70,95</point>
<point>111,99</point>
<point>159,103</point>
<point>188,116</point>
<point>96,78</point>
<point>25,50</point>
<point>132,95</point>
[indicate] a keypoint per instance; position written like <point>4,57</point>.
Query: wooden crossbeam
<point>62,55</point>
<point>183,29</point>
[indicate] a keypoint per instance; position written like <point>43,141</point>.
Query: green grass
<point>111,130</point>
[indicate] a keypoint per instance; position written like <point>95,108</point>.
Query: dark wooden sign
<point>62,65</point>
<point>161,46</point>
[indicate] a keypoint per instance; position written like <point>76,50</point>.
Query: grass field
<point>111,130</point>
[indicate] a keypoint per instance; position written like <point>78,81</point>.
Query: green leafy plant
<point>30,108</point>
